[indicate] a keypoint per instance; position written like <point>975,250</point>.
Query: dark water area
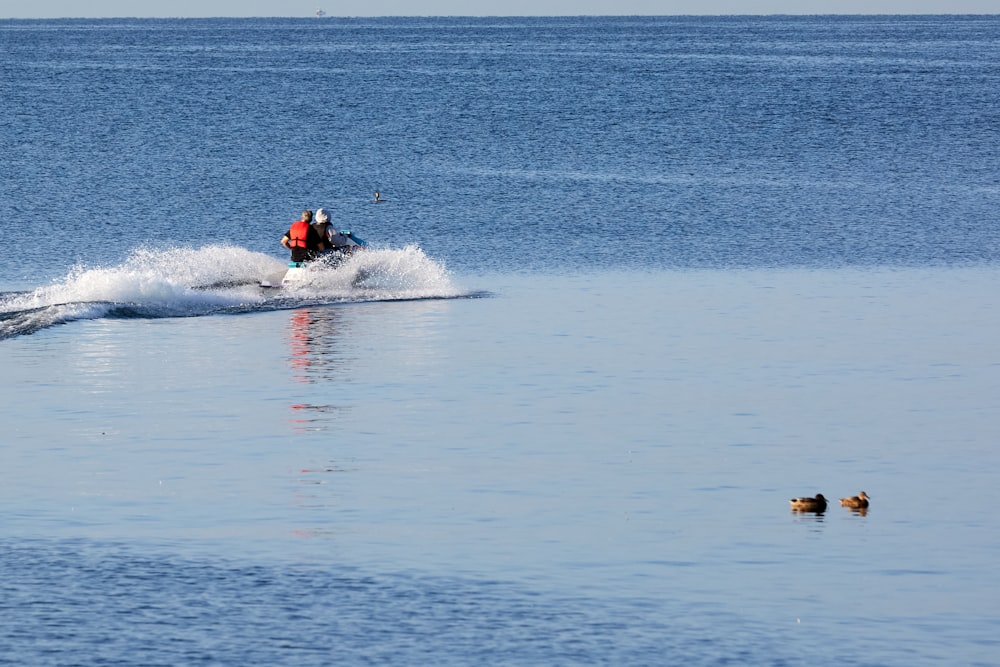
<point>510,144</point>
<point>158,611</point>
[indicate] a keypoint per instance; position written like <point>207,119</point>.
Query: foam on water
<point>187,282</point>
<point>380,274</point>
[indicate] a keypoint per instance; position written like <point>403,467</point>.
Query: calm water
<point>637,282</point>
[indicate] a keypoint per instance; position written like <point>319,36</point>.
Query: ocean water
<point>635,284</point>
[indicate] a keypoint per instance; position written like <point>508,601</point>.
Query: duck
<point>817,504</point>
<point>856,502</point>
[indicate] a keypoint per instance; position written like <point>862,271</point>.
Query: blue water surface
<point>635,283</point>
<point>510,144</point>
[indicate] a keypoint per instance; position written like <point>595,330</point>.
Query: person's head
<point>307,216</point>
<point>322,215</point>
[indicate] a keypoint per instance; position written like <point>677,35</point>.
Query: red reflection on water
<point>314,337</point>
<point>299,343</point>
<point>315,356</point>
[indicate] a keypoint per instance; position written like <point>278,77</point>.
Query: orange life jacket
<point>298,234</point>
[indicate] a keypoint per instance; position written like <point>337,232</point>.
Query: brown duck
<point>855,502</point>
<point>817,504</point>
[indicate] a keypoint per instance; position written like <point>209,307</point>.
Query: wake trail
<point>192,282</point>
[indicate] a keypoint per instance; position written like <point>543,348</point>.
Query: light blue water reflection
<point>628,438</point>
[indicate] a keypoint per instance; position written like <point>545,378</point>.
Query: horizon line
<point>495,16</point>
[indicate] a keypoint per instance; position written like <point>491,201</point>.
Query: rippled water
<point>636,283</point>
<point>509,144</point>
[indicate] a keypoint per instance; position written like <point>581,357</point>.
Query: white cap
<point>322,215</point>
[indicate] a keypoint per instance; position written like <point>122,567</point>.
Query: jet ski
<point>344,242</point>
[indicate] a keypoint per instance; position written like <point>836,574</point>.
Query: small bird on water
<point>857,502</point>
<point>817,504</point>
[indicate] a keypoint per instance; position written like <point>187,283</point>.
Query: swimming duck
<point>817,504</point>
<point>856,502</point>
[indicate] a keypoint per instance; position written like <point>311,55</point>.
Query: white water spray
<point>185,282</point>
